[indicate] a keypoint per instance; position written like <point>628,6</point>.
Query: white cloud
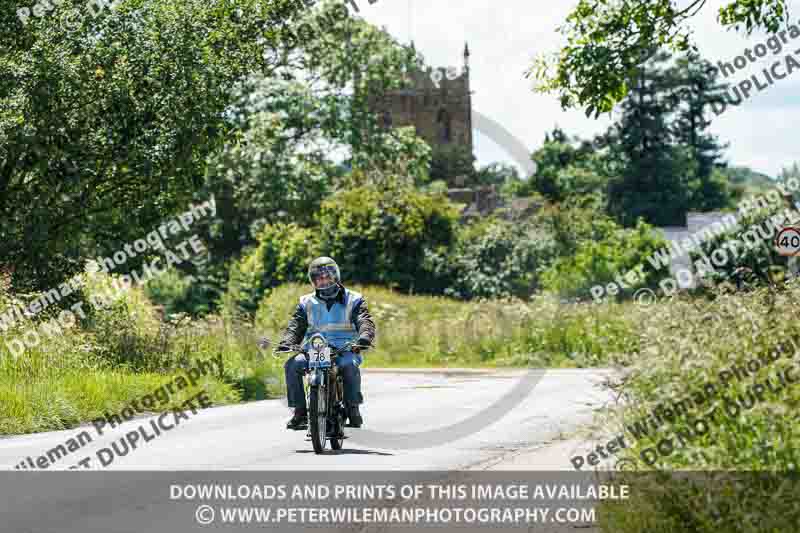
<point>504,35</point>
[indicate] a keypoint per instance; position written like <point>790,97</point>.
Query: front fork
<point>334,389</point>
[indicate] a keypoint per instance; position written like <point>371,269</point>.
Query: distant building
<point>480,201</point>
<point>696,223</point>
<point>441,115</point>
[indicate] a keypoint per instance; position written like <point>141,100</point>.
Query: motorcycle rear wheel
<point>336,442</point>
<point>317,418</point>
<point>337,393</point>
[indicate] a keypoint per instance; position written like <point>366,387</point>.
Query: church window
<point>443,119</point>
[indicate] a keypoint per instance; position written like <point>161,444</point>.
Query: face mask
<point>328,293</point>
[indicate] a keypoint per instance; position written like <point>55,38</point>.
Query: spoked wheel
<point>318,417</point>
<point>338,437</point>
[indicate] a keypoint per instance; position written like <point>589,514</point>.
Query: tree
<point>383,235</point>
<point>266,173</point>
<point>105,128</point>
<point>653,183</point>
<point>608,39</point>
<point>712,192</point>
<point>563,170</point>
<point>496,259</point>
<point>282,255</point>
<point>449,162</point>
<point>599,261</point>
<point>404,157</point>
<point>696,88</point>
<point>556,154</point>
<point>276,166</point>
<point>497,174</point>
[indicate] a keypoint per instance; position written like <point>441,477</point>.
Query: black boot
<point>299,420</point>
<point>354,416</point>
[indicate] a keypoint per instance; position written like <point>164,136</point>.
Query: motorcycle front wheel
<point>318,417</point>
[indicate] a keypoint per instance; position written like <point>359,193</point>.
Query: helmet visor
<point>323,277</point>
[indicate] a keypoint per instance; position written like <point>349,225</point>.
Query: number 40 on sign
<point>788,241</point>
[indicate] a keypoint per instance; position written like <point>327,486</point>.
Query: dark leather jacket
<point>298,323</point>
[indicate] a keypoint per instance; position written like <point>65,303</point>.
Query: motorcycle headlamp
<point>318,342</point>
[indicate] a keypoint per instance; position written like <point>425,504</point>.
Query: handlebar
<point>336,351</point>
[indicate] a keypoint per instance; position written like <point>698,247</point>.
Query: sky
<point>505,35</point>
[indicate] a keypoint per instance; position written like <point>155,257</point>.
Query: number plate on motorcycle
<point>320,359</point>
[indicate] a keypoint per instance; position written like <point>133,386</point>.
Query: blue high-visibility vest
<point>335,325</point>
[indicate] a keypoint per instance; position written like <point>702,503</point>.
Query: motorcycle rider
<point>339,314</point>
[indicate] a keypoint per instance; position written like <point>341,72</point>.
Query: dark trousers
<point>347,365</point>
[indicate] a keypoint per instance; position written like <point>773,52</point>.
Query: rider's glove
<point>361,344</point>
<point>282,348</point>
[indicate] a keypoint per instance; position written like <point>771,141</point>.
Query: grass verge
<point>735,342</point>
<point>428,331</point>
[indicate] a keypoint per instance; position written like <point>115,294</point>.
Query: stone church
<point>438,103</point>
<point>441,115</point>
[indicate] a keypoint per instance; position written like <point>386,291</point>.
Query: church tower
<point>437,102</point>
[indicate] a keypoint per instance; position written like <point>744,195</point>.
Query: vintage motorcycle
<point>325,400</point>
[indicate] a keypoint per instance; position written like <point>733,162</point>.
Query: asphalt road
<point>236,442</point>
<point>253,436</point>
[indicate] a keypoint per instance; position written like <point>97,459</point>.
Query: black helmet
<point>323,273</point>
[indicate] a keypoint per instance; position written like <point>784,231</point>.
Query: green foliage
<point>437,187</point>
<point>556,156</point>
<point>498,259</point>
<point>265,175</point>
<point>173,113</point>
<point>105,128</point>
<point>282,255</point>
<point>695,87</point>
<point>608,39</point>
<point>657,161</point>
<point>381,235</point>
<point>791,173</point>
<point>755,261</point>
<point>571,335</point>
<point>117,355</point>
<point>169,290</point>
<point>404,162</point>
<point>654,186</point>
<point>579,181</point>
<point>449,162</point>
<point>712,192</point>
<point>498,174</point>
<point>599,261</point>
<point>749,177</point>
<point>571,225</point>
<point>687,343</point>
<point>666,161</point>
<point>434,331</point>
<point>195,294</point>
<point>276,166</point>
<point>127,331</point>
<point>654,169</point>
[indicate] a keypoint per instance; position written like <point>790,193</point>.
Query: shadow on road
<point>347,452</point>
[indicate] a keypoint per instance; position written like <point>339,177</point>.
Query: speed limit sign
<point>788,241</point>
